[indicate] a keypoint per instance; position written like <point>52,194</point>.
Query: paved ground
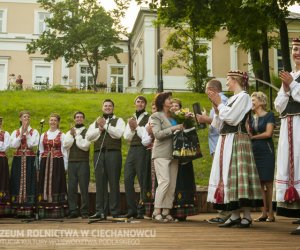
<point>145,234</point>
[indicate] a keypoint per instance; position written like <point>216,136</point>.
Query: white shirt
<point>128,134</point>
<point>81,142</point>
<point>282,98</point>
<point>116,132</point>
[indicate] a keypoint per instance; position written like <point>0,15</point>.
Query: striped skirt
<point>52,190</point>
<point>23,186</point>
<point>244,189</point>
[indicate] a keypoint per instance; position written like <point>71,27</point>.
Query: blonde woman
<point>52,177</point>
<point>23,172</point>
<point>261,128</point>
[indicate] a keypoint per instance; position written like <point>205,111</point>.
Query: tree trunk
<point>284,45</point>
<point>266,66</point>
<point>256,63</point>
<point>265,59</point>
<point>95,77</point>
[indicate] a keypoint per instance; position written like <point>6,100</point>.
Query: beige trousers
<point>166,174</point>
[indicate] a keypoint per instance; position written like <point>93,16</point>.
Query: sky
<point>133,10</point>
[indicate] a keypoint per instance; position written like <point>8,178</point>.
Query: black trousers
<point>135,166</point>
<point>107,172</point>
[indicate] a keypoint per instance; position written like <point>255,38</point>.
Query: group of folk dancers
<point>39,183</point>
<point>236,183</point>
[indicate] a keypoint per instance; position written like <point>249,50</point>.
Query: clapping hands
<point>286,79</point>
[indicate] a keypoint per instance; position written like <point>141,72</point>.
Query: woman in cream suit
<point>163,126</point>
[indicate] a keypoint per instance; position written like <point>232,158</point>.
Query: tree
<point>80,31</point>
<point>250,28</point>
<point>184,41</point>
<point>279,12</point>
<point>251,24</point>
<point>189,54</point>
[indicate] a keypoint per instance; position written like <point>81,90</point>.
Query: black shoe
<point>84,216</point>
<point>130,215</point>
<point>296,222</point>
<point>181,218</point>
<point>140,216</point>
<point>231,223</point>
<point>296,232</point>
<point>98,216</point>
<point>216,220</point>
<point>248,224</point>
<point>119,216</point>
<point>73,216</point>
<point>261,219</point>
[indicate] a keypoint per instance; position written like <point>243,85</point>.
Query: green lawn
<point>42,103</point>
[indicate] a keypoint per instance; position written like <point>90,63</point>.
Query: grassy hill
<point>42,103</point>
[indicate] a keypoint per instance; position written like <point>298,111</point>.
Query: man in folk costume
<point>106,133</point>
<point>136,158</point>
<point>287,103</point>
<point>234,182</point>
<point>4,172</point>
<point>23,171</point>
<point>78,166</point>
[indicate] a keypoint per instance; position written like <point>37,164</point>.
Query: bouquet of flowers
<point>186,145</point>
<point>185,117</point>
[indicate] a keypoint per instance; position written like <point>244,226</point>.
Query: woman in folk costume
<point>234,182</point>
<point>23,171</point>
<point>52,177</point>
<point>287,103</point>
<point>4,172</point>
<point>185,201</point>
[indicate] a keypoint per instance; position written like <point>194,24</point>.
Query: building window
<point>2,77</point>
<point>86,78</point>
<point>1,20</point>
<point>42,76</point>
<point>205,54</point>
<point>116,79</point>
<point>3,15</point>
<point>279,61</point>
<point>40,22</point>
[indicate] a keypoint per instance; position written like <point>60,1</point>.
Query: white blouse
<point>4,145</point>
<point>51,136</point>
<point>32,140</point>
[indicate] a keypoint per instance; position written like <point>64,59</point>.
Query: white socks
<point>235,214</point>
<point>246,216</point>
<point>165,211</point>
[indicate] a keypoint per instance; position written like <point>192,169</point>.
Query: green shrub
<point>58,88</point>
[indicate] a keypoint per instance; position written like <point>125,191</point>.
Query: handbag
<point>186,146</point>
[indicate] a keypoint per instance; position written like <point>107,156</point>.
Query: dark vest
<point>77,154</point>
<point>293,107</point>
<point>241,127</point>
<point>136,140</point>
<point>109,142</point>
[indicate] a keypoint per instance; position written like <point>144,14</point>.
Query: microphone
<point>42,121</point>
